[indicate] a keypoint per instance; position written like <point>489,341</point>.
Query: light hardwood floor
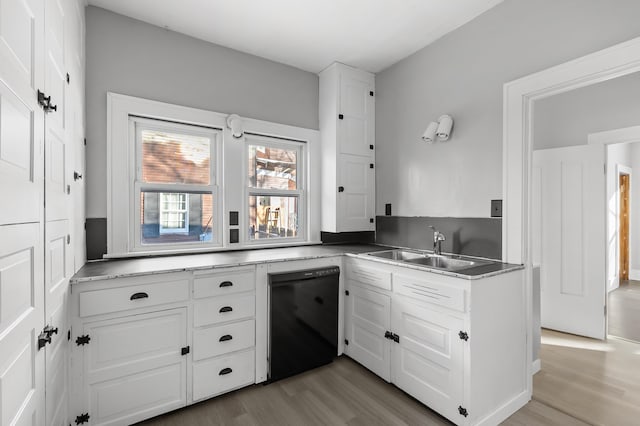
<point>624,311</point>
<point>582,382</point>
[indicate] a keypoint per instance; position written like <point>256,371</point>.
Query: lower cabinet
<point>147,345</point>
<point>457,345</point>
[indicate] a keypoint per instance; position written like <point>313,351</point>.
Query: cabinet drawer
<point>428,291</point>
<point>98,302</point>
<point>217,375</point>
<point>370,275</point>
<point>222,309</point>
<point>226,282</point>
<point>222,339</point>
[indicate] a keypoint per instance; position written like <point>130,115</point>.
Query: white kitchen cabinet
<point>145,345</point>
<point>457,345</point>
<point>347,115</point>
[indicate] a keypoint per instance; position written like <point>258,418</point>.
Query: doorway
<point>624,183</point>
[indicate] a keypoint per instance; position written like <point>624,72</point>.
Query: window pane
<point>173,218</point>
<point>175,158</point>
<point>272,168</point>
<point>273,217</point>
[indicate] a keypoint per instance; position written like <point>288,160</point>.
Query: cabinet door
<point>356,128</point>
<point>356,200</point>
<point>134,368</point>
<point>367,318</point>
<point>428,359</point>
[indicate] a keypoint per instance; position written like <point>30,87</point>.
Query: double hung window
<point>176,186</point>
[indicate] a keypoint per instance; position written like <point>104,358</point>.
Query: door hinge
<point>463,411</point>
<point>346,342</point>
<point>605,310</point>
<point>605,168</point>
<point>82,418</point>
<point>85,141</point>
<point>371,165</point>
<point>185,350</point>
<point>346,292</point>
<point>68,78</point>
<point>68,334</point>
<point>83,340</point>
<point>463,335</point>
<point>68,238</point>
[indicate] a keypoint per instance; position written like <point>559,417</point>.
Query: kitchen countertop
<point>121,268</point>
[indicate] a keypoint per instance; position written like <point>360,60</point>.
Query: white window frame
<point>231,175</point>
<point>163,211</point>
<point>300,192</point>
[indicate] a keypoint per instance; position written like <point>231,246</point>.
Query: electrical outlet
<point>496,208</point>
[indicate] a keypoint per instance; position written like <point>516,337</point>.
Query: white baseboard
<point>536,366</point>
<point>634,274</point>
<point>502,413</point>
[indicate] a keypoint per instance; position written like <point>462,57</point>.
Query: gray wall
<point>463,74</point>
<point>134,58</point>
<point>567,119</point>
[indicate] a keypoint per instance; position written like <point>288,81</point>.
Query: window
<point>176,183</point>
<point>275,188</point>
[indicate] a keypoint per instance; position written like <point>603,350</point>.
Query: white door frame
<point>518,100</point>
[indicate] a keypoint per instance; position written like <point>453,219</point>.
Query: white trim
<point>508,409</point>
<point>536,366</point>
<point>623,135</point>
<point>120,107</point>
<point>518,99</point>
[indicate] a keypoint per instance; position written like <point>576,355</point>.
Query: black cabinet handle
<point>341,189</point>
<point>52,108</point>
<point>225,309</point>
<point>225,338</point>
<point>225,371</point>
<point>319,300</point>
<point>226,284</point>
<point>141,295</point>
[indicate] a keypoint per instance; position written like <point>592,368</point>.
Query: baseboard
<point>535,366</point>
<point>502,413</point>
<point>634,274</point>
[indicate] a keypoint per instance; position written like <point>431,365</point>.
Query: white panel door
<point>58,266</point>
<point>355,194</point>
<point>356,127</point>
<point>56,147</point>
<point>21,119</point>
<point>21,321</point>
<point>571,238</point>
<point>428,358</point>
<point>367,319</point>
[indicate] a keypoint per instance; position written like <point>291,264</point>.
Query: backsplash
<point>469,236</point>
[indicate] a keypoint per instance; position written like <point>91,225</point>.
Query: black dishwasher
<point>303,320</point>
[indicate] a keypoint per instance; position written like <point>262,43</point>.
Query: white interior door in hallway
<point>568,229</point>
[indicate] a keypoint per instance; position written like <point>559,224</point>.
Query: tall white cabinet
<point>347,131</point>
<point>41,145</point>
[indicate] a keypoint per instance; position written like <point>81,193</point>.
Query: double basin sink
<point>451,263</point>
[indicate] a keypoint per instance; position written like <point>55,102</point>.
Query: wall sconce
<point>234,122</point>
<point>440,130</point>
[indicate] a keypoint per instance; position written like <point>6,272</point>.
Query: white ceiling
<point>310,34</point>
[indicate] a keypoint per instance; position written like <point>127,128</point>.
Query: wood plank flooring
<point>341,393</point>
<point>624,311</point>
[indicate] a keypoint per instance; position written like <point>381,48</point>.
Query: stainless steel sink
<point>447,263</point>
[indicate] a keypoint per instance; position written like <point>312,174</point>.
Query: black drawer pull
<point>225,338</point>
<point>226,284</point>
<point>226,309</point>
<point>225,371</point>
<point>141,295</point>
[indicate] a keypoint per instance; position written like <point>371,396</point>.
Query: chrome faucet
<point>438,238</point>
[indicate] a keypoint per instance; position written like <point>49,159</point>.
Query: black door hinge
<point>346,342</point>
<point>463,411</point>
<point>68,334</point>
<point>185,350</point>
<point>346,292</point>
<point>68,78</point>
<point>83,340</point>
<point>85,141</point>
<point>371,165</point>
<point>463,335</point>
<point>82,418</point>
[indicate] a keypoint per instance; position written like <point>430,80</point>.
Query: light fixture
<point>234,122</point>
<point>429,135</point>
<point>440,130</point>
